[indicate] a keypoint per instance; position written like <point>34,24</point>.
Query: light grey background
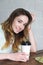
<point>34,6</point>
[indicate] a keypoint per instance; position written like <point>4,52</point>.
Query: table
<point>31,61</point>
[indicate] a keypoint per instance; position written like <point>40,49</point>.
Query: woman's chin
<point>16,32</point>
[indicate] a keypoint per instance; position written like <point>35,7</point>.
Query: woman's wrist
<point>29,28</point>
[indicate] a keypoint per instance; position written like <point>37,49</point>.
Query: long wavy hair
<point>10,36</point>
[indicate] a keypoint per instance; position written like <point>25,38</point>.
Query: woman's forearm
<point>3,56</point>
<point>32,40</point>
<point>14,56</point>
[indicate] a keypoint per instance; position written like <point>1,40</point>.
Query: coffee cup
<point>25,47</point>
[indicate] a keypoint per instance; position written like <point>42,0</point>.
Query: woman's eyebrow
<point>22,21</point>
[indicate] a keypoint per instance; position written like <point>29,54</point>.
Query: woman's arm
<point>14,56</point>
<point>3,56</point>
<point>32,40</point>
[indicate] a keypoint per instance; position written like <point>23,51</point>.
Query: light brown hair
<point>11,37</point>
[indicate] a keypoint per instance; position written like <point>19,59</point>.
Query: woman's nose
<point>21,27</point>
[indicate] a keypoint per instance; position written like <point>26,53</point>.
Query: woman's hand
<point>33,16</point>
<point>18,57</point>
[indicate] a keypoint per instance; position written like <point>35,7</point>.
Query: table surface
<point>31,61</point>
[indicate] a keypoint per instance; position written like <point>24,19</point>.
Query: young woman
<point>12,32</point>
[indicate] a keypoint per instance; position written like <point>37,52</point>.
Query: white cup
<point>26,48</point>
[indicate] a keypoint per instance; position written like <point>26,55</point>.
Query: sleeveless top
<point>2,42</point>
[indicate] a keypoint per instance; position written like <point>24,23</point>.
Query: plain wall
<point>34,6</point>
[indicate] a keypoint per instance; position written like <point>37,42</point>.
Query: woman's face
<point>19,23</point>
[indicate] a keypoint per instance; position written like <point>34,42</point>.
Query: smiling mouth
<point>17,29</point>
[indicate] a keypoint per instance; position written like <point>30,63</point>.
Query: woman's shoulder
<point>2,36</point>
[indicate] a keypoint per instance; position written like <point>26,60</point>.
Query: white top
<point>2,42</point>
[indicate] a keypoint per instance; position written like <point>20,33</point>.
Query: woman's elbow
<point>33,50</point>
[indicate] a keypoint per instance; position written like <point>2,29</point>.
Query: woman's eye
<point>19,21</point>
<point>24,24</point>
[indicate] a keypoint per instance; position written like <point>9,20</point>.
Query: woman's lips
<point>17,29</point>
